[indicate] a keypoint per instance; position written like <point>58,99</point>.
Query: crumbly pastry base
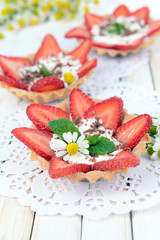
<point>44,97</point>
<point>93,176</point>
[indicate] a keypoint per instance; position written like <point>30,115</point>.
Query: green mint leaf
<point>92,139</point>
<point>118,28</point>
<point>153,131</point>
<point>150,150</point>
<point>63,125</point>
<point>102,146</point>
<point>45,71</point>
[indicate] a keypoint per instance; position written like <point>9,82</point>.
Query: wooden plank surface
<point>15,220</point>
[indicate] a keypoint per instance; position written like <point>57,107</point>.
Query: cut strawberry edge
<point>40,115</point>
<point>59,168</point>
<point>92,19</point>
<point>154,27</point>
<point>88,66</point>
<point>124,159</point>
<point>128,47</point>
<point>78,33</point>
<point>142,14</point>
<point>79,102</point>
<point>49,47</point>
<point>47,84</point>
<point>109,111</point>
<point>13,82</point>
<point>81,51</point>
<point>131,132</point>
<point>11,65</point>
<point>36,140</point>
<point>122,10</point>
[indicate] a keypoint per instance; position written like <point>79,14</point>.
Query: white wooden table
<point>18,222</point>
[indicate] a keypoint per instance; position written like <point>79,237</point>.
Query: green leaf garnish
<point>45,71</point>
<point>153,131</point>
<point>118,28</point>
<point>102,146</point>
<point>92,139</point>
<point>63,125</point>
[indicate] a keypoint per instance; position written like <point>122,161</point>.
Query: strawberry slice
<point>131,132</point>
<point>36,140</point>
<point>142,14</point>
<point>124,159</point>
<point>154,27</point>
<point>79,103</point>
<point>128,47</point>
<point>109,111</point>
<point>48,48</point>
<point>92,19</point>
<point>47,84</point>
<point>59,168</point>
<point>12,65</point>
<point>13,82</point>
<point>84,69</point>
<point>40,115</point>
<point>78,33</point>
<point>82,51</point>
<point>122,10</point>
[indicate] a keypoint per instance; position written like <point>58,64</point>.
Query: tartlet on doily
<point>98,27</point>
<point>48,75</point>
<point>126,132</point>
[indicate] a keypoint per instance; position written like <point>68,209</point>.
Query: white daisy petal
<point>80,139</point>
<point>83,150</point>
<point>83,145</point>
<point>75,135</point>
<point>66,157</point>
<point>65,136</point>
<point>61,153</point>
<point>57,144</point>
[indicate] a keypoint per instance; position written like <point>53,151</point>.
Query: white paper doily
<point>21,178</point>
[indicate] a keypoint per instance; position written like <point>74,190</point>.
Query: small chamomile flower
<point>71,147</point>
<point>69,75</point>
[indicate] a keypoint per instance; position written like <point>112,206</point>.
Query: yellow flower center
<point>72,148</point>
<point>69,77</point>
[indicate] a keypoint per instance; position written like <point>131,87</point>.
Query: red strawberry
<point>12,65</point>
<point>92,19</point>
<point>133,45</point>
<point>59,168</point>
<point>142,14</point>
<point>89,65</point>
<point>48,48</point>
<point>47,84</point>
<point>154,27</point>
<point>78,32</point>
<point>109,111</point>
<point>79,103</point>
<point>82,51</point>
<point>36,140</point>
<point>124,159</point>
<point>13,82</point>
<point>131,132</point>
<point>40,115</point>
<point>122,10</point>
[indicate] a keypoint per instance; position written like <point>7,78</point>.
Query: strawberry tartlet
<point>84,138</point>
<point>48,75</point>
<point>119,33</point>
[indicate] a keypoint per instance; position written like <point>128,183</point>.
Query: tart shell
<point>93,176</point>
<point>44,97</point>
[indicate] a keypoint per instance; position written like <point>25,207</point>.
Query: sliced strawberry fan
<point>113,50</point>
<point>49,88</point>
<point>110,111</point>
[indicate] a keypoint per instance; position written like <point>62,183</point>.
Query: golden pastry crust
<point>44,97</point>
<point>93,176</point>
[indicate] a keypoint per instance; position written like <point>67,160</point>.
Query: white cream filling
<point>50,63</point>
<point>130,23</point>
<point>86,124</point>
